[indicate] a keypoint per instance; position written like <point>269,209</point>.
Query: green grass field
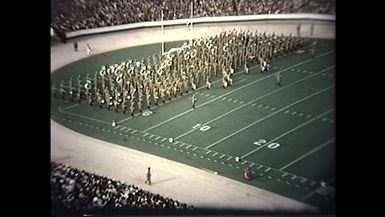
<point>285,134</point>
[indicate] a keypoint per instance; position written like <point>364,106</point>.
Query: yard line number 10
<point>204,128</point>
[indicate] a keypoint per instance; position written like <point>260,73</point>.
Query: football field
<point>284,133</point>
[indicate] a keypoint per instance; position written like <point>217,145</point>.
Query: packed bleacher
<point>74,190</point>
<point>73,15</point>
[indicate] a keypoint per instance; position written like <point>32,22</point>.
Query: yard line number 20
<point>272,145</point>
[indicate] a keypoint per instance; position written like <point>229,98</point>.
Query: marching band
<point>140,84</point>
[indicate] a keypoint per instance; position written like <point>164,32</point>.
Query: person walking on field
<point>299,30</point>
<point>278,76</point>
<point>148,176</point>
<point>88,49</point>
<point>193,100</point>
<point>312,29</point>
<point>76,46</point>
<point>313,49</point>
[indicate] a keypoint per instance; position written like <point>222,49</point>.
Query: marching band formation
<point>134,86</point>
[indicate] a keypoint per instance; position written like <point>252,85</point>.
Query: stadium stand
<point>73,15</point>
<point>74,190</point>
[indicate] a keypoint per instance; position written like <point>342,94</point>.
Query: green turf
<point>295,120</point>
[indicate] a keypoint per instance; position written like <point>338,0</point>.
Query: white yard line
<point>259,120</point>
<point>252,101</point>
<point>290,131</point>
<point>241,87</point>
<point>307,154</point>
<point>121,121</point>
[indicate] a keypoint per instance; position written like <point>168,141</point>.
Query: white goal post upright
<point>162,32</point>
<point>191,34</point>
<point>191,27</point>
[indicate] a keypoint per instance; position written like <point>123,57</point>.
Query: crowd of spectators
<point>73,15</point>
<point>80,191</point>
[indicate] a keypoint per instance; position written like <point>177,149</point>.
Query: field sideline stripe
<point>82,116</point>
<point>307,196</point>
<point>307,154</point>
<point>267,116</point>
<point>241,87</point>
<point>71,106</point>
<point>288,132</point>
<point>254,100</point>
